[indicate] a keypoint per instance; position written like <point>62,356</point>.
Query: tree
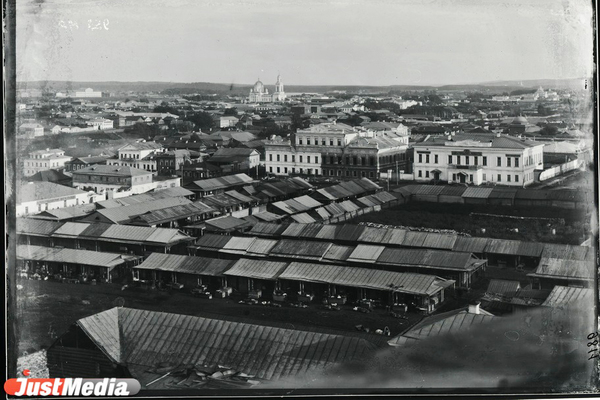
<point>230,111</point>
<point>202,120</point>
<point>549,130</point>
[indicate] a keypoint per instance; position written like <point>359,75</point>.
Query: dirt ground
<point>47,308</point>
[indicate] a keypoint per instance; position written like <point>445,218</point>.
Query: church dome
<point>259,87</point>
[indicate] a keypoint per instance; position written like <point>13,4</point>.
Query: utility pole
<point>397,173</point>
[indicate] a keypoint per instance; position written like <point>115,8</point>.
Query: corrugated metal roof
<point>268,229</point>
<point>226,223</point>
<point>385,197</point>
<point>71,256</point>
<point>368,201</point>
<point>426,258</point>
<point>240,197</point>
<point>477,192</point>
<point>349,206</point>
<point>185,264</point>
<point>327,232</point>
<point>238,245</point>
<point>322,212</point>
<point>257,269</point>
<point>261,351</point>
<point>562,296</point>
<point>366,253</point>
<point>335,210</point>
<point>338,253</point>
<point>176,213</point>
<point>414,239</point>
<point>454,190</point>
<point>530,249</point>
<point>372,235</point>
<point>435,326</point>
<point>394,236</point>
<point>167,236</point>
<point>268,216</point>
<point>429,190</point>
<point>566,251</point>
<point>222,182</point>
<point>439,241</point>
<point>300,249</point>
<point>212,241</point>
<point>349,233</point>
<point>37,227</point>
<point>470,244</point>
<point>503,287</point>
<point>532,194</point>
<point>125,213</point>
<point>303,218</point>
<point>503,193</point>
<point>503,246</point>
<point>293,230</point>
<point>367,184</point>
<point>563,269</point>
<point>307,201</point>
<point>261,247</point>
<point>363,278</point>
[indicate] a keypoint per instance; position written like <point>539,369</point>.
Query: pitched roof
<point>562,296</point>
<point>35,191</point>
<point>111,170</point>
<point>71,256</point>
<point>135,338</point>
<point>124,214</point>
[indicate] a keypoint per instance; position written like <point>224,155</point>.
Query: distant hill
<point>242,89</point>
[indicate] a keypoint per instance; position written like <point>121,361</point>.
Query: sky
<point>309,42</point>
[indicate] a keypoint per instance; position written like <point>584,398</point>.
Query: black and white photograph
<point>278,198</point>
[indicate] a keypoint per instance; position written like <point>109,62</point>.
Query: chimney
<point>474,307</point>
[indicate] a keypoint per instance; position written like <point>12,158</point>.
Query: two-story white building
<point>44,160</point>
<point>140,155</point>
<point>37,197</point>
<point>478,159</point>
<point>332,149</point>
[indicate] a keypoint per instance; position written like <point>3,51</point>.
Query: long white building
<point>478,159</point>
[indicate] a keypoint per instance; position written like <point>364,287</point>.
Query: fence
<point>560,169</point>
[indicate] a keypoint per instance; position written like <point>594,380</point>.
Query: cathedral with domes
<point>260,94</point>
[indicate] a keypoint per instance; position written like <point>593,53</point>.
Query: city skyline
<point>336,43</point>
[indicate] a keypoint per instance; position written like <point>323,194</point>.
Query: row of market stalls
<point>299,280</point>
<point>73,264</point>
<point>563,198</point>
<point>464,268</point>
<point>503,252</point>
<point>126,239</point>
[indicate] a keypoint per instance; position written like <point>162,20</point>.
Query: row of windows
<point>308,171</point>
<point>128,155</point>
<point>315,141</point>
<point>293,158</point>
<point>509,178</point>
<point>332,172</point>
<point>41,164</point>
<point>510,161</point>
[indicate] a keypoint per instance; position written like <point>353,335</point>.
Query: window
<point>293,170</point>
<point>476,160</point>
<point>270,169</point>
<point>372,161</point>
<point>484,177</point>
<point>339,142</point>
<point>420,158</point>
<point>285,157</point>
<point>299,140</point>
<point>300,158</point>
<point>308,141</point>
<point>353,173</point>
<point>427,158</point>
<point>331,160</point>
<point>316,160</point>
<point>308,159</point>
<point>499,162</point>
<point>285,170</point>
<point>458,160</point>
<point>278,157</point>
<point>347,160</point>
<point>471,177</point>
<point>507,178</point>
<point>331,142</point>
<point>293,158</point>
<point>426,174</point>
<point>484,161</point>
<point>508,159</point>
<point>323,142</point>
<point>435,158</point>
<point>354,161</point>
<point>499,178</point>
<point>453,177</point>
<point>516,162</point>
<point>420,174</point>
<point>517,177</point>
<point>278,170</point>
<point>467,160</point>
<point>449,159</point>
